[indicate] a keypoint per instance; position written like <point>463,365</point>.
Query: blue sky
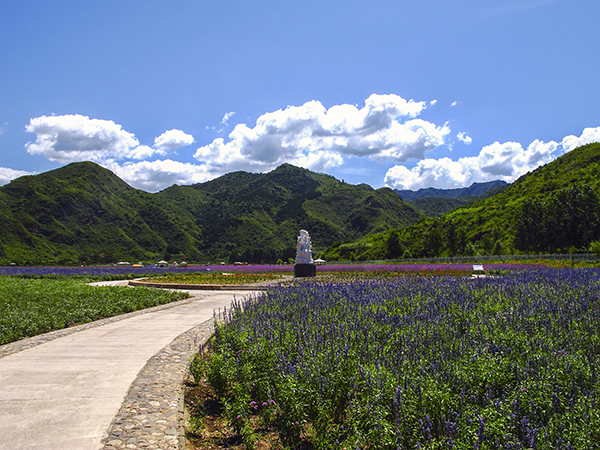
<point>405,94</point>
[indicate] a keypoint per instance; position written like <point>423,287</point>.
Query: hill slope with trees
<point>551,209</point>
<point>84,214</point>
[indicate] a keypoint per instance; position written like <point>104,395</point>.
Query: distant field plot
<point>29,307</point>
<point>216,278</point>
<point>128,271</point>
<point>430,362</point>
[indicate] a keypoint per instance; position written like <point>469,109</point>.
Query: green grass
<point>29,307</point>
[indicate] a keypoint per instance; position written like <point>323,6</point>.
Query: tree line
<point>568,219</point>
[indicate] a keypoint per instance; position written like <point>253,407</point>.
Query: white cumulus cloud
<point>386,129</point>
<point>226,117</point>
<point>464,138</point>
<point>497,161</point>
<point>588,136</point>
<point>152,176</point>
<point>317,138</point>
<point>224,122</point>
<point>7,175</point>
<point>173,139</point>
<point>73,137</point>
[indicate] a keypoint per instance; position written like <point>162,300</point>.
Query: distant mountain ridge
<point>84,214</point>
<point>476,190</point>
<point>438,206</point>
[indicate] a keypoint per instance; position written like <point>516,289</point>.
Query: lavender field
<point>506,362</point>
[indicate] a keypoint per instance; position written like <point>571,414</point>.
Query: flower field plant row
<point>414,362</point>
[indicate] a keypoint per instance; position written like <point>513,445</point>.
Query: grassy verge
<point>29,307</point>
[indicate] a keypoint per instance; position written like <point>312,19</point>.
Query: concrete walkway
<point>64,393</point>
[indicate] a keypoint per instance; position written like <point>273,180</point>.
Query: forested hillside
<point>438,206</point>
<point>257,217</point>
<point>552,209</point>
<point>84,214</point>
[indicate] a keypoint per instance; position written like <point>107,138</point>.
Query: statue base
<point>304,270</point>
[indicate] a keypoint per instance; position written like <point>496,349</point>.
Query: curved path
<point>63,390</point>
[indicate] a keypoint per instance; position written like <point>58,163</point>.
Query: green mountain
<point>257,217</point>
<point>84,214</point>
<point>551,209</point>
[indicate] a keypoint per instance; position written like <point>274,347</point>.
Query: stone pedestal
<point>304,270</point>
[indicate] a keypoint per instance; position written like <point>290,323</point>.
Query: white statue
<point>304,249</point>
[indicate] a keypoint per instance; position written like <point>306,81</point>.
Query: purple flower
<point>264,403</point>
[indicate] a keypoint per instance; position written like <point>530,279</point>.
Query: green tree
<point>433,241</point>
<point>569,218</point>
<point>574,217</point>
<point>393,246</point>
<point>530,226</point>
<point>595,248</point>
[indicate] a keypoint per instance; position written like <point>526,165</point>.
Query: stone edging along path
<point>204,287</point>
<point>152,413</point>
